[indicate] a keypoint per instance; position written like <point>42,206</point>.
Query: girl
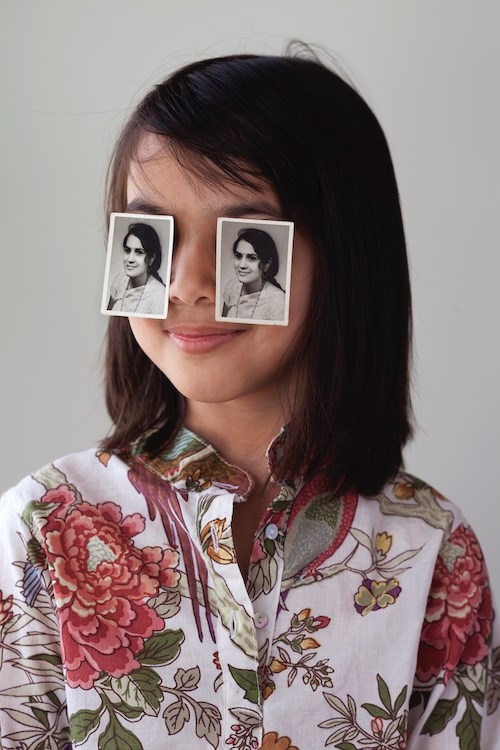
<point>244,563</point>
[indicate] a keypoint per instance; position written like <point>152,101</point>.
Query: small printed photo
<point>254,264</point>
<point>138,264</point>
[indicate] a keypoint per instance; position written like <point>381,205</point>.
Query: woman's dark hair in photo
<point>296,124</point>
<point>150,243</point>
<point>265,247</point>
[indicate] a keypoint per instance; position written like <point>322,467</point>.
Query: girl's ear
<point>265,266</point>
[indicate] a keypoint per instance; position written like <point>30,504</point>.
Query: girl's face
<point>247,263</point>
<point>209,361</point>
<point>135,260</point>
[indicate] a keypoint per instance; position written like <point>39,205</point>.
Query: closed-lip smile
<point>199,339</point>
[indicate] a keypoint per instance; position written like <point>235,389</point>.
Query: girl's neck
<point>241,433</point>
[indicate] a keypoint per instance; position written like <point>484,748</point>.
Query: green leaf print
<point>247,680</point>
<point>139,689</point>
<point>375,711</point>
<point>469,729</point>
<point>83,723</point>
<point>162,648</point>
<point>128,712</point>
<point>41,715</point>
<point>116,737</point>
<point>400,699</point>
<point>384,694</point>
<point>442,713</point>
<point>36,510</point>
<point>493,691</point>
<point>34,550</point>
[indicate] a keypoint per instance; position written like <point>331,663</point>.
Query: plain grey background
<point>71,71</point>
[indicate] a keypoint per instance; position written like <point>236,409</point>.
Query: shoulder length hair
<point>295,123</point>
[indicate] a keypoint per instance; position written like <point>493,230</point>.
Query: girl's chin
<point>213,393</point>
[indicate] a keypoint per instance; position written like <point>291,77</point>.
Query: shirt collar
<point>190,463</point>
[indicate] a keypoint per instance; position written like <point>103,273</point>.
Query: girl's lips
<point>202,340</point>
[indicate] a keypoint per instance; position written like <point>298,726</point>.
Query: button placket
<point>265,590</point>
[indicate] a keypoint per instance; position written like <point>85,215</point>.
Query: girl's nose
<point>192,277</point>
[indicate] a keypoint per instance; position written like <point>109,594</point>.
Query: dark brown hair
<point>298,125</point>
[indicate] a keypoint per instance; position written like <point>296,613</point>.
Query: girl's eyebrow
<point>234,211</point>
<point>242,210</point>
<point>139,206</point>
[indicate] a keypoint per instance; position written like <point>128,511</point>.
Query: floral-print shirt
<point>125,623</point>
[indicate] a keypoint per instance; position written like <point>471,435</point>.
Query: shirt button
<point>261,620</point>
<point>271,531</point>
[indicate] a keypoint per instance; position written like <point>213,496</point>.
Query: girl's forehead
<point>157,171</point>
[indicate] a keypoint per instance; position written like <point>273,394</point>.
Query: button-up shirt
<point>125,622</point>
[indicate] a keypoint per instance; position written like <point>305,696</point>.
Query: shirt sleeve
<point>454,704</point>
<point>32,692</point>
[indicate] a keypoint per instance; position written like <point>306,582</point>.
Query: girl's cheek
<point>148,334</point>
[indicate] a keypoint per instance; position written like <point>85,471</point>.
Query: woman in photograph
<point>254,293</point>
<point>138,288</point>
<point>245,563</point>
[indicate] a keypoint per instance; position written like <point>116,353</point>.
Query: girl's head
<point>255,256</point>
<point>141,238</point>
<point>298,129</point>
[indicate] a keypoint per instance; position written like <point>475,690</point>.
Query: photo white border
<point>218,283</point>
<point>109,252</point>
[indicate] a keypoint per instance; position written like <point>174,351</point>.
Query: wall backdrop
<point>71,71</point>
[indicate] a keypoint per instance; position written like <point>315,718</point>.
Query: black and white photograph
<point>254,263</point>
<point>138,265</point>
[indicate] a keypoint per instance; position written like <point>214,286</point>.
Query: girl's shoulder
<point>411,501</point>
<point>86,474</point>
